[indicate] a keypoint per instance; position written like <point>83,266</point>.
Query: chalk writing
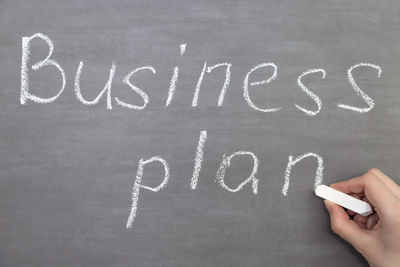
<point>137,185</point>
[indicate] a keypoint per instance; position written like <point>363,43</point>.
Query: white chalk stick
<point>344,200</point>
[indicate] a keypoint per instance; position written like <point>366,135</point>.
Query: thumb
<point>345,227</point>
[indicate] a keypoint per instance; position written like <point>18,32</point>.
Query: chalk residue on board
<point>246,94</point>
<point>172,84</point>
<point>313,96</point>
<point>226,163</point>
<point>358,90</point>
<point>224,86</point>
<point>291,162</point>
<point>136,89</point>
<point>25,94</point>
<point>137,185</point>
<point>107,87</point>
<point>198,159</point>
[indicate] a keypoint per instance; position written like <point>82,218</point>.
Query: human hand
<point>377,236</point>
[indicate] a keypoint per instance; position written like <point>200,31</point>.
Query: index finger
<point>387,181</point>
<point>373,188</point>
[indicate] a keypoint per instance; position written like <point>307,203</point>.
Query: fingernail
<point>372,221</point>
<point>369,225</point>
<point>328,205</point>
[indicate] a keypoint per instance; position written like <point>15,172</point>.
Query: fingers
<point>346,228</point>
<point>366,222</point>
<point>394,188</point>
<point>374,189</point>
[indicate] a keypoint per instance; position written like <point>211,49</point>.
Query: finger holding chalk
<point>372,188</point>
<point>344,200</point>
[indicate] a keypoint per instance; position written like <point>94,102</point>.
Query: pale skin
<point>377,236</point>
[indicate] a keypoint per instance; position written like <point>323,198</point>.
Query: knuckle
<point>367,179</point>
<point>366,176</point>
<point>374,172</point>
<point>370,178</point>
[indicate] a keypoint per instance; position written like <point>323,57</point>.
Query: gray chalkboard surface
<point>190,133</point>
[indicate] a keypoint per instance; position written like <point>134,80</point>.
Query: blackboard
<point>70,166</point>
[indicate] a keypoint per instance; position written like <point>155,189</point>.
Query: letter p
<point>137,185</point>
